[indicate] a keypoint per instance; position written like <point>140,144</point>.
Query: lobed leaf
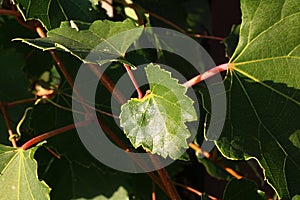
<point>102,40</point>
<point>157,121</point>
<point>18,177</point>
<point>264,93</point>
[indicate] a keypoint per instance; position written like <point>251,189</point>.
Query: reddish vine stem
<point>53,133</point>
<point>105,80</point>
<point>10,13</point>
<point>62,68</point>
<point>9,130</point>
<point>13,103</point>
<point>206,75</point>
<point>138,7</point>
<point>168,183</point>
<point>194,190</point>
<point>120,143</point>
<point>133,80</point>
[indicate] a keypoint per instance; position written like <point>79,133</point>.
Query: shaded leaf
<point>263,93</point>
<point>18,177</point>
<point>51,13</point>
<point>98,40</point>
<point>242,189</point>
<point>231,41</point>
<point>157,121</point>
<point>214,170</point>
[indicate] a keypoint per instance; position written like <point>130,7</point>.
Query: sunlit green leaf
<point>157,121</point>
<point>264,93</point>
<point>18,178</point>
<point>98,39</point>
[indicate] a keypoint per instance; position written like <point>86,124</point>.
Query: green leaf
<point>13,82</point>
<point>98,38</point>
<point>263,93</point>
<point>157,121</point>
<point>51,13</point>
<point>242,189</point>
<point>296,197</point>
<point>121,193</point>
<point>18,177</point>
<point>214,170</point>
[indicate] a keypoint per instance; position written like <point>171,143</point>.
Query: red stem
<point>10,13</point>
<point>50,134</point>
<point>133,80</point>
<point>206,75</point>
<point>110,86</point>
<point>10,104</point>
<point>166,180</point>
<point>9,130</point>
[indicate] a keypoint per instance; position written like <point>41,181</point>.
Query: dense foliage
<point>44,43</point>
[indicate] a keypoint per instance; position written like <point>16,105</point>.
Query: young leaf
<point>264,93</point>
<point>51,13</point>
<point>18,178</point>
<point>98,39</point>
<point>157,121</point>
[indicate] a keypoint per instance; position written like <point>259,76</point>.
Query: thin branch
<point>207,155</point>
<point>121,144</point>
<point>9,130</point>
<point>133,80</point>
<point>105,80</point>
<point>10,13</point>
<point>53,133</point>
<point>194,190</point>
<point>164,176</point>
<point>13,103</point>
<point>62,68</point>
<point>206,75</point>
<point>196,35</point>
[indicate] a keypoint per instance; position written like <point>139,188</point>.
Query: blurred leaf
<point>52,13</point>
<point>18,177</point>
<point>264,93</point>
<point>242,189</point>
<point>157,121</point>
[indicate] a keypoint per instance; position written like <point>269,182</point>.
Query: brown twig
<point>9,130</point>
<point>105,80</point>
<point>62,68</point>
<point>10,13</point>
<point>207,155</point>
<point>194,191</point>
<point>13,103</point>
<point>196,35</point>
<point>121,144</point>
<point>133,80</point>
<point>165,178</point>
